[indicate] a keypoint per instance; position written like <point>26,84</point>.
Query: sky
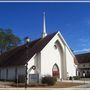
<point>71,19</point>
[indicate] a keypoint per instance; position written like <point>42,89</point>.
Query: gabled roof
<point>83,58</point>
<point>17,56</point>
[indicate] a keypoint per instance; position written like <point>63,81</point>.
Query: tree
<point>8,40</point>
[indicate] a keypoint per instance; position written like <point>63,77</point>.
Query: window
<point>55,46</point>
<point>83,65</point>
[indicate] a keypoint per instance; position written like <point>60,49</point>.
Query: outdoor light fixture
<point>27,40</point>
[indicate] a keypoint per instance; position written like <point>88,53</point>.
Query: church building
<point>47,55</point>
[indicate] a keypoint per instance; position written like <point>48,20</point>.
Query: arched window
<point>55,71</point>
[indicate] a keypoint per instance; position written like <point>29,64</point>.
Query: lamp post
<point>27,40</point>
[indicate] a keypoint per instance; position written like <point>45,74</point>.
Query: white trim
<point>63,40</point>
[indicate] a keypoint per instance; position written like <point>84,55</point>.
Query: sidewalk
<point>76,81</point>
<point>82,86</point>
<point>86,83</point>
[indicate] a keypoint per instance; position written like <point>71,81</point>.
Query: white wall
<point>30,64</point>
<point>50,56</point>
<point>36,61</point>
<point>71,69</point>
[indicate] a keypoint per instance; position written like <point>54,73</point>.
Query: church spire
<point>44,26</point>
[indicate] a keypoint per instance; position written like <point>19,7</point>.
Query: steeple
<point>44,26</point>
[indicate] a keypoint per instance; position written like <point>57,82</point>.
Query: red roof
<point>17,56</point>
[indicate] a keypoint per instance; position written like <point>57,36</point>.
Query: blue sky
<point>71,19</point>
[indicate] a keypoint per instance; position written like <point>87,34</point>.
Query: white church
<point>48,55</point>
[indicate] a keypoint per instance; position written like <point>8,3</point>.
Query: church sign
<point>34,78</point>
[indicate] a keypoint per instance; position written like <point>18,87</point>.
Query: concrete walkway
<point>76,81</point>
<point>82,86</point>
<point>86,84</point>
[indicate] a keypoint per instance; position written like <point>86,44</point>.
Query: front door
<point>55,71</point>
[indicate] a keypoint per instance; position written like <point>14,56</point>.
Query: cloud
<point>83,45</point>
<point>82,50</point>
<point>84,40</point>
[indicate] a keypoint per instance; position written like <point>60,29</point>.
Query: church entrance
<point>55,71</point>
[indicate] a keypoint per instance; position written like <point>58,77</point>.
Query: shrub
<point>55,79</point>
<point>76,77</point>
<point>70,78</point>
<point>48,80</point>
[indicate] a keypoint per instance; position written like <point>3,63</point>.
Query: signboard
<point>34,78</point>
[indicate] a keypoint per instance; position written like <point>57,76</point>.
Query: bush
<point>48,80</point>
<point>76,77</point>
<point>70,78</point>
<point>55,79</point>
